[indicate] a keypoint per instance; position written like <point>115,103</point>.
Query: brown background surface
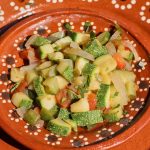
<point>140,141</point>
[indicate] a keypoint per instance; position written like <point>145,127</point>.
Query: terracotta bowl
<point>104,137</point>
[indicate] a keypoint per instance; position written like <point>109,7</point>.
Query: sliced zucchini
<point>62,43</point>
<point>106,63</point>
<point>37,83</point>
<point>59,127</point>
<point>44,50</point>
<point>131,89</point>
<point>39,41</point>
<point>80,106</point>
<point>31,116</point>
<point>54,84</point>
<point>47,115</point>
<point>65,68</point>
<point>94,79</point>
<point>80,38</point>
<point>16,75</point>
<point>21,100</point>
<point>96,49</point>
<point>79,65</point>
<point>63,114</point>
<point>103,37</point>
<point>115,114</point>
<point>47,101</point>
<point>72,124</point>
<point>56,36</point>
<point>103,96</point>
<point>87,118</point>
<point>56,56</point>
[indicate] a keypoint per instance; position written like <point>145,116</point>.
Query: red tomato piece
<point>92,101</point>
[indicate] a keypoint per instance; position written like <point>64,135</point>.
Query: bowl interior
<point>44,25</point>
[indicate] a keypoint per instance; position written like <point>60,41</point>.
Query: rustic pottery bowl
<point>103,137</point>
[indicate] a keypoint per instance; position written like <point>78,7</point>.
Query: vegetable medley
<point>74,79</point>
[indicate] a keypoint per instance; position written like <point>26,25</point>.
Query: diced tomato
<point>120,61</point>
<point>92,101</point>
<point>21,86</point>
<point>62,98</point>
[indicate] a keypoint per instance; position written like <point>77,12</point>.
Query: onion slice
<point>129,45</point>
<point>111,48</point>
<point>40,123</point>
<point>21,111</point>
<point>31,40</point>
<point>120,87</point>
<point>29,67</point>
<point>31,56</point>
<point>79,52</point>
<point>116,36</point>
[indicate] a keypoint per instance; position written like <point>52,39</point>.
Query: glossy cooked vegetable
<point>79,80</point>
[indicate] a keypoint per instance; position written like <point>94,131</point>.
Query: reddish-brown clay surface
<point>51,21</point>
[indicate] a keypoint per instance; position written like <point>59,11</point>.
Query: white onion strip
<point>111,48</point>
<point>79,52</point>
<point>120,87</point>
<point>31,40</point>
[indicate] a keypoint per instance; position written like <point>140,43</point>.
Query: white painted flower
<point>93,27</point>
<point>1,14</point>
<point>25,10</point>
<point>53,139</point>
<point>4,78</point>
<point>144,84</point>
<point>139,65</point>
<point>9,61</point>
<point>124,121</point>
<point>14,116</point>
<point>104,133</point>
<point>79,141</point>
<point>54,1</point>
<point>62,22</point>
<point>32,130</point>
<point>41,30</point>
<point>122,5</point>
<point>136,105</point>
<point>90,1</point>
<point>18,42</point>
<point>5,96</point>
<point>142,14</point>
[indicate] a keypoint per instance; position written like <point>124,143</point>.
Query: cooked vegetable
<point>106,63</point>
<point>44,50</point>
<point>31,116</point>
<point>87,118</point>
<point>59,126</point>
<point>74,79</point>
<point>103,37</point>
<point>103,96</point>
<point>114,114</point>
<point>79,52</point>
<point>96,49</point>
<point>16,75</point>
<point>80,38</point>
<point>37,83</point>
<point>21,100</point>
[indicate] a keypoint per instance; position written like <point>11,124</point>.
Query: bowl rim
<point>133,28</point>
